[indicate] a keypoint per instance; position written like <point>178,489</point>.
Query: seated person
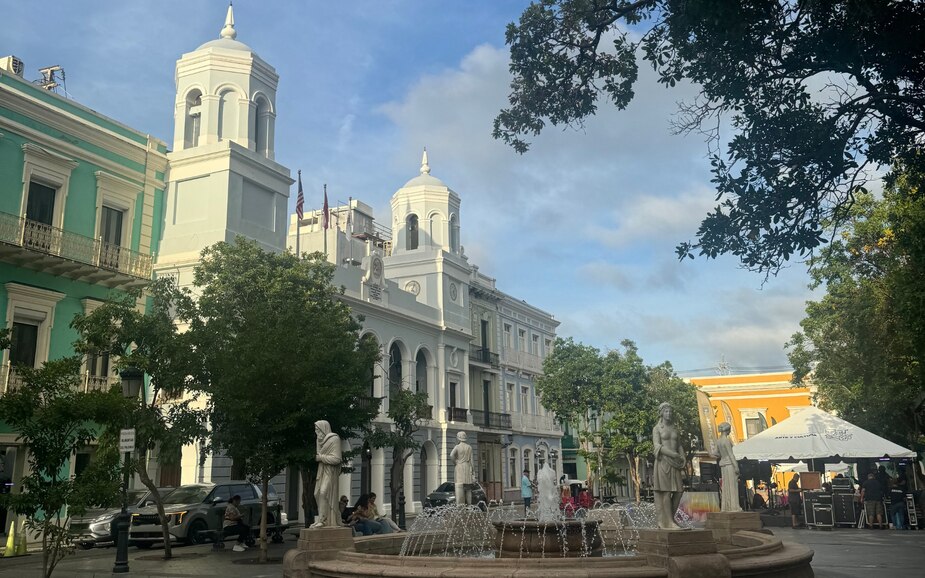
<point>363,521</point>
<point>385,520</point>
<point>233,523</point>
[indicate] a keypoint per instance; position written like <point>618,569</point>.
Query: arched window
<point>227,115</point>
<point>261,127</point>
<point>395,376</point>
<point>454,234</point>
<point>193,122</point>
<point>411,233</point>
<point>420,374</point>
<point>527,462</point>
<point>370,339</point>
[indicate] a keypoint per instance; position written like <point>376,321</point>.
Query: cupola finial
<point>425,168</point>
<point>228,31</point>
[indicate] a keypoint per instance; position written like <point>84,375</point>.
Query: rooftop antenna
<point>722,367</point>
<point>49,79</point>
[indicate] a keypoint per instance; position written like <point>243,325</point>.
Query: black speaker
<point>708,472</point>
<point>748,469</point>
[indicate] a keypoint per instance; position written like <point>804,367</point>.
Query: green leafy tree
<point>54,419</point>
<point>863,343</point>
<point>407,410</point>
<point>796,158</point>
<point>279,350</point>
<point>170,414</point>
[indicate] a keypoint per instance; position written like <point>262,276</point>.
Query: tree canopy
<point>863,343</point>
<point>280,350</point>
<point>815,93</point>
<point>611,400</point>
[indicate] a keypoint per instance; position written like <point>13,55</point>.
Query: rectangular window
<point>752,426</point>
<point>535,344</point>
<point>451,402</point>
<point>521,340</point>
<point>507,335</point>
<point>41,205</point>
<point>512,469</point>
<point>525,399</point>
<point>111,226</point>
<point>25,338</point>
<point>510,398</point>
<point>547,347</point>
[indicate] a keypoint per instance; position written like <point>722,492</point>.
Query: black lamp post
<point>132,380</point>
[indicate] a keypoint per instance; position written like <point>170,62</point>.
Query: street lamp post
<point>132,380</point>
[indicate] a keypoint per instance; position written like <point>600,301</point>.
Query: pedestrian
<point>795,499</point>
<point>898,502</point>
<point>872,497</point>
<point>526,490</point>
<point>234,524</point>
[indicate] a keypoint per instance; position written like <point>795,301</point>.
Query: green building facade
<point>81,216</point>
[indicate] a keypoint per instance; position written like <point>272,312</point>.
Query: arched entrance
<point>366,470</point>
<point>429,469</point>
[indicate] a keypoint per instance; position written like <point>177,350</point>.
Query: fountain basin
<point>554,539</point>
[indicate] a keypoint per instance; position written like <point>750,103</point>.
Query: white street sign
<point>127,440</point>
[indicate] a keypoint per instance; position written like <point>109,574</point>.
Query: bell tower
<point>223,179</point>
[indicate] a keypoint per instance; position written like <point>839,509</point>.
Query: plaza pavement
<point>840,553</point>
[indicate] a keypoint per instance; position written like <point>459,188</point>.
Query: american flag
<point>300,200</point>
<point>325,213</point>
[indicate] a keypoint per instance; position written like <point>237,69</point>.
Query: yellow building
<point>753,402</point>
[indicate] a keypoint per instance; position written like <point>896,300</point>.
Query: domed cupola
<point>425,215</point>
<point>225,93</point>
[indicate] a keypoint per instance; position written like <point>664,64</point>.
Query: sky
<point>583,226</point>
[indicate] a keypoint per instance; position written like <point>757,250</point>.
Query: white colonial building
<point>443,327</point>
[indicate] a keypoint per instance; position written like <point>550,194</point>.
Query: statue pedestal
<point>316,544</point>
<point>684,553</point>
<point>725,524</point>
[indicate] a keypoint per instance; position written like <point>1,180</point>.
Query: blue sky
<point>583,226</point>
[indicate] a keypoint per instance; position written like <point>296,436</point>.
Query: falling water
<point>547,499</point>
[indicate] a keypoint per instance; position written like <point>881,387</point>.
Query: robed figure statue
<point>329,457</point>
<point>669,461</point>
<point>729,468</point>
<point>462,457</point>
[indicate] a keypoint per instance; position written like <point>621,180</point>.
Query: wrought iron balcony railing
<point>484,355</point>
<point>42,238</point>
<point>491,419</point>
<point>457,414</point>
<point>10,380</point>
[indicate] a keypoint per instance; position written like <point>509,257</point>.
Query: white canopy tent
<point>813,433</point>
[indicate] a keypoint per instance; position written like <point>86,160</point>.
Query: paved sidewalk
<point>188,561</point>
<point>853,553</point>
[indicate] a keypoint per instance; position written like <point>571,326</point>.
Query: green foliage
<point>54,419</point>
<point>863,343</point>
<point>795,158</point>
<point>279,350</point>
<point>151,341</point>
<point>613,402</point>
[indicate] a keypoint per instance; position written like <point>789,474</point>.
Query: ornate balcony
<point>491,419</point>
<point>10,380</point>
<point>368,403</point>
<point>484,355</point>
<point>55,251</point>
<point>457,414</point>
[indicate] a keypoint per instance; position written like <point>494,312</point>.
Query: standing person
<point>669,460</point>
<point>233,523</point>
<point>795,499</point>
<point>898,502</point>
<point>730,470</point>
<point>526,490</point>
<point>872,497</point>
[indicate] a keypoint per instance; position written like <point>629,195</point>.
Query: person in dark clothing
<point>795,499</point>
<point>884,479</point>
<point>872,497</point>
<point>898,503</point>
<point>233,523</point>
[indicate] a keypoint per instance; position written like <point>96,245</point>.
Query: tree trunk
<point>264,488</point>
<point>634,473</point>
<point>159,502</point>
<point>308,494</point>
<point>46,571</point>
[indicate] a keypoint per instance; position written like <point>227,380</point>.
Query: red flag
<point>325,214</point>
<point>300,200</point>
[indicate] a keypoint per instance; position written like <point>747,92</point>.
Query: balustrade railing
<point>44,238</point>
<point>484,355</point>
<point>10,380</point>
<point>457,414</point>
<point>491,419</point>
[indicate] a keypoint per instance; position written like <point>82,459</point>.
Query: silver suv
<point>196,509</point>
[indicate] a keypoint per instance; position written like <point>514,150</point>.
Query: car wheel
<point>194,532</point>
<point>144,545</point>
<point>278,538</point>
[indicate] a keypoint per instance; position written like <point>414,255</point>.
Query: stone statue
<point>730,469</point>
<point>462,457</point>
<point>328,454</point>
<point>669,461</point>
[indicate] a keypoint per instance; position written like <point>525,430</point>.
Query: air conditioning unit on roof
<point>12,65</point>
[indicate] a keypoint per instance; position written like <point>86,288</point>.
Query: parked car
<point>446,494</point>
<point>195,509</point>
<point>94,528</point>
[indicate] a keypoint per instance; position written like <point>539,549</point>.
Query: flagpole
<point>350,227</point>
<point>324,217</point>
<point>298,225</point>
